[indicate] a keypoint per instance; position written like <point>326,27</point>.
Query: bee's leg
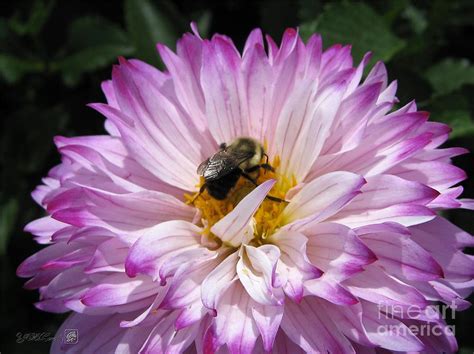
<point>276,199</point>
<point>269,197</point>
<point>265,166</point>
<point>203,187</point>
<point>247,177</point>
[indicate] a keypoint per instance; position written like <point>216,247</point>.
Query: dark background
<point>54,54</point>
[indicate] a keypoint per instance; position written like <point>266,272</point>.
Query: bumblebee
<point>241,158</point>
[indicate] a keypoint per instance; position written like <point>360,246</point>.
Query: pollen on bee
<point>268,216</point>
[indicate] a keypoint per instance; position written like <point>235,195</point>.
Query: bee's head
<point>246,144</point>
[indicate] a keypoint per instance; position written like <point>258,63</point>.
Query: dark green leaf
<point>88,60</point>
<point>450,75</point>
<point>95,31</point>
<point>93,43</point>
<point>8,215</point>
<point>13,68</point>
<point>147,26</point>
<point>416,18</point>
<point>356,24</point>
<point>454,110</point>
<point>38,16</point>
<point>308,10</point>
<point>392,9</point>
<point>204,23</point>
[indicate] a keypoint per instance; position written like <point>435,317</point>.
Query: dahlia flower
<point>144,264</point>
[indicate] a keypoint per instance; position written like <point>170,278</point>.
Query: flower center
<point>268,216</point>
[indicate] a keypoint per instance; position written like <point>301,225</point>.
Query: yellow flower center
<point>268,215</point>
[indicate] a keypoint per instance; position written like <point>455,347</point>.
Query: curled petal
<point>322,198</point>
<point>174,237</point>
<point>257,273</point>
<point>232,229</point>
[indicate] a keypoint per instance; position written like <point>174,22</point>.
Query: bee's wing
<point>202,167</point>
<point>221,163</point>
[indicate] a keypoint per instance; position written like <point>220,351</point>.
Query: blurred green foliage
<point>54,54</point>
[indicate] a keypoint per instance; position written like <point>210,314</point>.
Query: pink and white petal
<point>35,263</point>
<point>328,288</point>
<point>108,90</point>
<point>291,277</point>
<point>436,338</point>
<point>456,265</point>
<point>284,345</point>
<point>337,250</point>
<point>77,305</point>
<point>367,286</point>
<point>301,322</point>
<point>399,255</point>
<point>284,72</point>
<point>335,59</point>
<point>184,131</point>
<point>441,291</point>
<point>44,227</point>
<point>185,70</point>
<point>234,324</point>
<point>103,333</point>
<point>293,246</point>
<point>383,191</point>
<point>448,199</point>
<point>161,336</point>
<point>322,198</point>
<point>190,315</point>
<point>388,95</point>
<point>267,319</point>
<point>396,154</point>
<point>314,47</point>
<point>443,230</point>
<point>349,321</point>
<point>173,237</point>
<point>258,78</point>
<point>233,228</point>
<point>387,332</point>
<point>69,259</point>
<point>388,132</point>
<point>255,38</point>
<point>288,44</point>
<point>108,257</point>
<point>159,158</point>
<point>351,119</point>
<point>436,174</point>
<point>118,289</point>
<point>256,269</point>
<point>304,125</point>
<point>362,349</point>
<point>166,339</point>
<point>404,214</point>
<point>467,203</point>
<point>355,80</point>
<point>218,281</point>
<point>86,235</point>
<point>186,284</point>
<point>151,309</point>
<point>183,339</point>
<point>223,86</point>
<point>109,156</point>
<point>41,279</point>
<point>171,265</point>
<point>132,213</point>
